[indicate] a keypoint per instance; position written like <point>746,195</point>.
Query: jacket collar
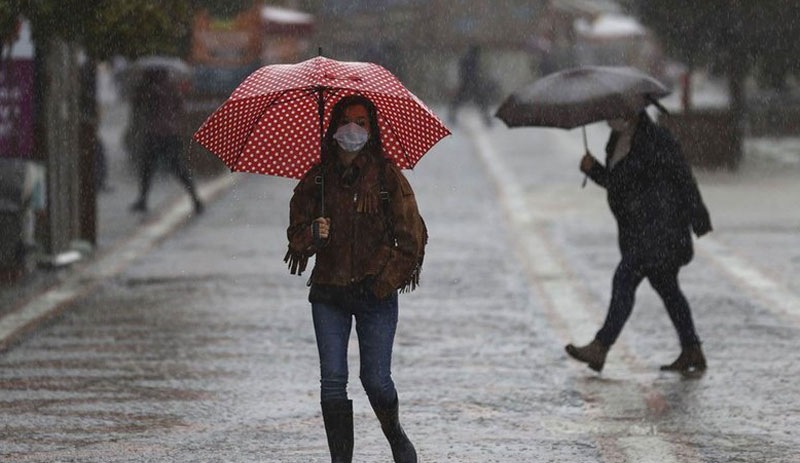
<point>643,124</point>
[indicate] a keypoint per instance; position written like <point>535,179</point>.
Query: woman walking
<point>656,203</point>
<point>368,245</point>
<point>159,109</point>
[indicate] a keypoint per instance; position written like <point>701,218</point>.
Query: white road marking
<point>776,298</point>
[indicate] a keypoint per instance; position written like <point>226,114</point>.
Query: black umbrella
<point>579,96</point>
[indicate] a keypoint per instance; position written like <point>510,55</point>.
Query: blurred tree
<point>9,14</point>
<point>734,37</point>
<point>104,27</point>
<point>223,8</point>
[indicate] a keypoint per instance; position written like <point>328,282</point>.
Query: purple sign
<point>16,108</point>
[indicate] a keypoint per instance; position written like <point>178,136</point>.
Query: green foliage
<point>730,35</point>
<point>134,28</point>
<point>223,8</point>
<point>9,11</point>
<point>105,27</point>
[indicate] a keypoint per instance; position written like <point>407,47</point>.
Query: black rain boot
<point>338,418</point>
<point>593,353</point>
<point>402,449</point>
<point>690,360</point>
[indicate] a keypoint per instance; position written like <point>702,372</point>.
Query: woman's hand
<point>587,162</point>
<point>324,225</point>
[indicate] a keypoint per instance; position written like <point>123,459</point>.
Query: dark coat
<point>654,198</point>
<point>159,105</point>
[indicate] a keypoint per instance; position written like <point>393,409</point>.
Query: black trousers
<point>167,148</point>
<point>664,281</point>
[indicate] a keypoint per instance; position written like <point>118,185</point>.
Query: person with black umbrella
<point>656,203</point>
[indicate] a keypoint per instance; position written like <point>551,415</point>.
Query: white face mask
<point>351,137</point>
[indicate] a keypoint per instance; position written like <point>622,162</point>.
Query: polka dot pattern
<point>270,123</point>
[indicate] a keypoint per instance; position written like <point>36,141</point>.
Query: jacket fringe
<point>368,203</point>
<point>297,262</point>
<point>413,280</point>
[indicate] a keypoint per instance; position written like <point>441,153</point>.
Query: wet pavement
<point>115,222</point>
<point>188,341</point>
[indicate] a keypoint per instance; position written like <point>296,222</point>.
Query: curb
<point>54,300</point>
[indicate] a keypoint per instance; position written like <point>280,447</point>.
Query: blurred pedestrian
<point>367,246</point>
<point>656,203</point>
<point>473,86</point>
<point>158,107</point>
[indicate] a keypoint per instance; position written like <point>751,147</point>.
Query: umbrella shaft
<point>321,110</point>
<point>585,144</point>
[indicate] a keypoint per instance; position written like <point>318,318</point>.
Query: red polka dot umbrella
<point>273,121</point>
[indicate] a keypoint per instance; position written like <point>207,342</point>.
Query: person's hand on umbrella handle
<point>587,162</point>
<point>320,229</point>
<point>586,165</point>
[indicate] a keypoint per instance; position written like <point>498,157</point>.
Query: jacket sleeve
<point>409,234</point>
<point>302,212</point>
<point>675,166</point>
<point>599,173</point>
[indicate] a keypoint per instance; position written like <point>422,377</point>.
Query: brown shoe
<point>690,360</point>
<point>593,353</point>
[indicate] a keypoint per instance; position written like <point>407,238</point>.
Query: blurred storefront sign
<point>22,181</point>
<point>16,96</point>
<point>225,52</point>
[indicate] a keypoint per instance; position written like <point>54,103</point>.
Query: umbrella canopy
<point>172,64</point>
<point>274,120</point>
<point>177,69</point>
<point>580,96</point>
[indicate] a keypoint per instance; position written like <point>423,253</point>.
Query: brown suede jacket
<point>359,247</point>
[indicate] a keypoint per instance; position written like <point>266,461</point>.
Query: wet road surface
<point>200,347</point>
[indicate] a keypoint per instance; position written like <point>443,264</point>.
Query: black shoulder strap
<point>319,180</point>
<point>385,201</point>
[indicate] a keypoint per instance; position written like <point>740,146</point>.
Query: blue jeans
<point>376,323</point>
<point>664,281</point>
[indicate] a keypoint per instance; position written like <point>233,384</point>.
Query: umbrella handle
<point>586,149</point>
<point>318,241</point>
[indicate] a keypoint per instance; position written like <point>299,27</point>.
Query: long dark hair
<point>329,145</point>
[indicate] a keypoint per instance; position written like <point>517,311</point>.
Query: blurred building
<point>225,51</point>
<point>422,40</point>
